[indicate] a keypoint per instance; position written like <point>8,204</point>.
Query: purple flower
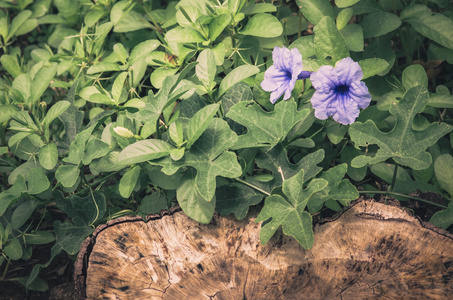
<point>339,91</point>
<point>281,77</point>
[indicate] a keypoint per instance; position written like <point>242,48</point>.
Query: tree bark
<point>368,251</point>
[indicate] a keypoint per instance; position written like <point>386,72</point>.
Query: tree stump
<point>368,251</point>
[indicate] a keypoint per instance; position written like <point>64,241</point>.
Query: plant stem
<point>253,186</point>
<point>388,193</point>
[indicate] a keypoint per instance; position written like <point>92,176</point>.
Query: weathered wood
<point>370,251</point>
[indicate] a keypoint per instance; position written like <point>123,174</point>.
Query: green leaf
<point>158,76</point>
<point>143,49</point>
<point>121,53</point>
<point>84,211</point>
<point>379,23</point>
<point>154,203</point>
<point>414,75</point>
<point>236,75</point>
<point>95,148</point>
<point>199,122</point>
<point>7,111</point>
<point>263,25</point>
<point>306,46</point>
<point>143,151</point>
<point>343,17</point>
<point>70,237</point>
<point>11,194</point>
<point>315,10</point>
<point>39,237</point>
<point>209,157</point>
<point>176,132</point>
<point>403,144</point>
<point>37,181</point>
<point>436,100</point>
<point>103,67</point>
<point>276,161</point>
<point>55,111</point>
<point>23,212</point>
<point>290,213</point>
<point>128,181</point>
<point>14,249</point>
<point>443,168</point>
<point>192,203</point>
<point>372,66</point>
<point>217,25</point>
<point>27,26</point>
<point>236,198</point>
<point>118,87</point>
<point>434,26</point>
<point>10,64</point>
<point>265,129</point>
<point>67,175</point>
<point>345,3</point>
<point>206,68</point>
<point>337,189</point>
<point>18,22</point>
<point>71,118</point>
<point>41,81</point>
<point>184,35</point>
<point>443,218</point>
<point>353,35</point>
<point>329,42</point>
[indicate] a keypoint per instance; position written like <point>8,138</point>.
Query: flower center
<point>342,89</point>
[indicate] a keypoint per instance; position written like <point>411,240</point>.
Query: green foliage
<point>109,108</point>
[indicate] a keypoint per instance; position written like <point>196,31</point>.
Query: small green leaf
<point>39,237</point>
<point>414,75</point>
<point>7,111</point>
<point>14,249</point>
<point>37,181</point>
<point>345,3</point>
<point>192,203</point>
<point>143,151</point>
<point>372,66</point>
<point>290,213</point>
<point>176,132</point>
<point>55,111</point>
<point>18,22</point>
<point>217,25</point>
<point>443,168</point>
<point>184,35</point>
<point>329,42</point>
<point>121,53</point>
<point>10,64</point>
<point>41,81</point>
<point>343,17</point>
<point>118,87</point>
<point>379,23</point>
<point>199,122</point>
<point>143,49</point>
<point>353,35</point>
<point>263,25</point>
<point>67,175</point>
<point>238,74</point>
<point>206,68</point>
<point>236,198</point>
<point>443,218</point>
<point>84,211</point>
<point>23,212</point>
<point>128,181</point>
<point>315,10</point>
<point>103,67</point>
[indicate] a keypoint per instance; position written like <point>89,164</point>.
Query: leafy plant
<point>111,108</point>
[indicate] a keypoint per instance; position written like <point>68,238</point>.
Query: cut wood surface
<point>369,251</point>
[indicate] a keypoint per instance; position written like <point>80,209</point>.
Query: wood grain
<point>369,251</point>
